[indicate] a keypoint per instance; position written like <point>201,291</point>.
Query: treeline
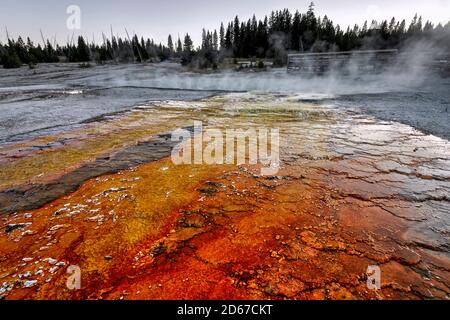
<point>117,49</point>
<point>272,37</point>
<point>17,53</point>
<point>282,32</point>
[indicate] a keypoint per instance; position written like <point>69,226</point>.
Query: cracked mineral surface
<point>351,192</point>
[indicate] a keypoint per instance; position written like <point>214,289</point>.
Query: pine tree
<point>222,36</point>
<point>204,40</point>
<point>412,26</point>
<point>236,35</point>
<point>215,41</point>
<point>170,44</point>
<point>187,50</point>
<point>187,46</point>
<point>229,37</point>
<point>82,50</point>
<point>179,46</point>
<point>296,32</point>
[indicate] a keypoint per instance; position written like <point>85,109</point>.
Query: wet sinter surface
<point>351,192</point>
<point>53,98</point>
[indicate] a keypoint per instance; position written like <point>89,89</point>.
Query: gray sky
<point>159,18</point>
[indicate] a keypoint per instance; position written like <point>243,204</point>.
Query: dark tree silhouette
<point>271,37</point>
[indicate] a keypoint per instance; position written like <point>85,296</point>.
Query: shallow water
<point>71,96</point>
<point>58,97</point>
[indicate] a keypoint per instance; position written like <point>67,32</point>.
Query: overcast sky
<point>159,18</point>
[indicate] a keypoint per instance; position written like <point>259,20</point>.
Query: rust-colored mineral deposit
<point>351,192</point>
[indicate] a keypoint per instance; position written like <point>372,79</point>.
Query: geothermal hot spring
<point>87,180</point>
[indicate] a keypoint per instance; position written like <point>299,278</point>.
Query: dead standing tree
<point>132,49</point>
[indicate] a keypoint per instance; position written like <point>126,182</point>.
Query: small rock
<point>52,270</point>
<point>59,212</point>
<point>56,227</point>
<point>50,260</point>
<point>29,283</point>
<point>11,227</point>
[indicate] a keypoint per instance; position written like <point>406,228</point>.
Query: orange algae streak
<point>97,228</point>
<point>284,237</point>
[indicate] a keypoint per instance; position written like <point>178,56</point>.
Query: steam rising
<point>411,68</point>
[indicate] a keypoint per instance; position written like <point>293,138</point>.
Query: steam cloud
<point>414,65</point>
